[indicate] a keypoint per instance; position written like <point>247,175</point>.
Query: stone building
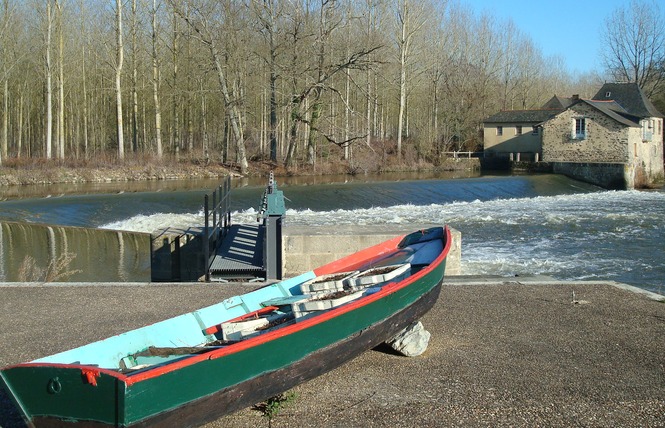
<point>614,140</point>
<point>516,134</point>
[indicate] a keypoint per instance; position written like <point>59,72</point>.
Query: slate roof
<point>623,102</point>
<point>523,116</point>
<point>630,97</point>
<point>615,111</point>
<point>558,102</point>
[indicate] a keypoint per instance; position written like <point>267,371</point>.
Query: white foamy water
<point>150,223</point>
<point>599,235</point>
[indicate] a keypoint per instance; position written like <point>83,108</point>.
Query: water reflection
<point>62,189</point>
<point>48,253</point>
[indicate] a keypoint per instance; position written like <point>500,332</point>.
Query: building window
<point>608,94</point>
<point>534,130</point>
<point>580,128</point>
<point>499,130</point>
<point>518,130</point>
<point>647,130</point>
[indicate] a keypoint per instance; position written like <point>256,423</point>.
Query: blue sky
<point>568,28</point>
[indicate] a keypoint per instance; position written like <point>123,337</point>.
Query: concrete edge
<point>129,284</point>
<point>632,288</point>
<point>471,281</point>
<point>449,281</point>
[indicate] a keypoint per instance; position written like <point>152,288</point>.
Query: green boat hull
<point>214,386</point>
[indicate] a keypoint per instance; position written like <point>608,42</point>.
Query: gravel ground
<point>501,354</point>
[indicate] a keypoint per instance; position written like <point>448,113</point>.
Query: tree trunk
<point>435,131</point>
<point>291,152</point>
<point>273,98</point>
<point>118,75</point>
<point>189,109</point>
<point>135,96</point>
<point>175,123</point>
<point>347,115</point>
<point>266,11</point>
<point>61,84</point>
<point>204,124</point>
<point>49,79</point>
<point>19,132</point>
<point>155,82</point>
<point>311,134</point>
<point>295,103</point>
<point>368,112</point>
<point>85,88</point>
<point>5,118</point>
<point>232,110</point>
<point>403,46</point>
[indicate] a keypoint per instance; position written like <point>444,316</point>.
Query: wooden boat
<point>199,366</point>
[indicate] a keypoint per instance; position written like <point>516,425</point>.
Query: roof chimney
<point>576,97</point>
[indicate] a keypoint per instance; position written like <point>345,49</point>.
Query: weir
<point>48,253</point>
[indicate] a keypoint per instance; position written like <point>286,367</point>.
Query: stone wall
<point>605,142</point>
<point>612,155</point>
<point>607,175</point>
<point>647,162</point>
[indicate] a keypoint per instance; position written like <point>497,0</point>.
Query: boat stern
<point>48,395</point>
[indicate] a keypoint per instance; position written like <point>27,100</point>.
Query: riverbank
<point>503,352</point>
<point>146,169</point>
<point>19,172</point>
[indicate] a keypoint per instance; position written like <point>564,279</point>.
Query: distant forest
<point>292,82</point>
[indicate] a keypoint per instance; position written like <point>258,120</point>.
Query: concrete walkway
<point>504,352</point>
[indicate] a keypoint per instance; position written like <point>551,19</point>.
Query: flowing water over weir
<point>31,252</point>
<point>510,225</point>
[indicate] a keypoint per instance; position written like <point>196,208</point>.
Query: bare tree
<point>49,85</point>
<point>156,81</point>
<point>84,78</point>
<point>60,123</point>
<point>175,104</point>
<point>268,12</point>
<point>284,85</point>
<point>135,96</point>
<point>411,17</point>
<point>7,13</point>
<point>634,45</point>
<point>295,35</point>
<point>200,23</point>
<point>118,76</point>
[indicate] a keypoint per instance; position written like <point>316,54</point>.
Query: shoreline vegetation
<point>23,172</point>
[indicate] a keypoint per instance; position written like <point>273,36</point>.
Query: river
<point>511,225</point>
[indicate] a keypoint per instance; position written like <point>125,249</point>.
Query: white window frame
<point>499,130</point>
<point>583,134</point>
<point>647,130</point>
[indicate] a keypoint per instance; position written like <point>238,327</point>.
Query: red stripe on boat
<point>276,334</point>
<point>361,257</point>
<point>345,263</point>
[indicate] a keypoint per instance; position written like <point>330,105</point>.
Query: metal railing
<point>220,214</point>
<point>458,155</point>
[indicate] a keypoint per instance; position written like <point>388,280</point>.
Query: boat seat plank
<point>283,301</point>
